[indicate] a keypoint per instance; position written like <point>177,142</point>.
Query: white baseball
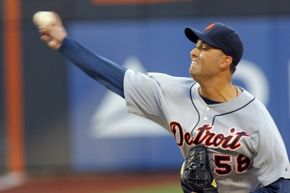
<point>44,18</point>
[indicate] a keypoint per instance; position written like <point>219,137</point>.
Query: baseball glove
<point>195,172</point>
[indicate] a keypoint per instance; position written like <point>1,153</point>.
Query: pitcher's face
<point>205,61</point>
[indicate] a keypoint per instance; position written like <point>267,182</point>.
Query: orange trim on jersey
<point>13,86</point>
<point>128,2</point>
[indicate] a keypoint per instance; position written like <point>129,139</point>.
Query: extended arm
<point>99,68</point>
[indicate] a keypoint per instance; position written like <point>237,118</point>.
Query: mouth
<point>194,62</point>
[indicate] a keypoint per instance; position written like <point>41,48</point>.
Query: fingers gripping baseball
<point>50,27</point>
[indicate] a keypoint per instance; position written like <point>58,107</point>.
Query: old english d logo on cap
<point>210,27</point>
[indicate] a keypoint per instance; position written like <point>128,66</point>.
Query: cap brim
<point>194,35</point>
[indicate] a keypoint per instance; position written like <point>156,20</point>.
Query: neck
<point>218,91</point>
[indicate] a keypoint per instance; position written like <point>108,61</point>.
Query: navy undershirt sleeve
<point>280,186</point>
<point>99,68</point>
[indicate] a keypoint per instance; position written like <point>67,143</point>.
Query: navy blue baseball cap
<point>219,36</point>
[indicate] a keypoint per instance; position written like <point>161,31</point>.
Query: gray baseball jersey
<point>245,146</point>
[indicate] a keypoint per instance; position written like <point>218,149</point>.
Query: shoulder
<point>257,108</point>
<point>163,84</point>
<point>160,79</point>
<point>256,104</point>
<point>166,80</point>
<point>253,102</point>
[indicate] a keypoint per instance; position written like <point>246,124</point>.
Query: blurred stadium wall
<point>58,135</point>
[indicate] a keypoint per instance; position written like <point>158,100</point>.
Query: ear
<point>227,61</point>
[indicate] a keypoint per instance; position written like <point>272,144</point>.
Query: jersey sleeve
<point>143,96</point>
<point>271,158</point>
<point>97,67</point>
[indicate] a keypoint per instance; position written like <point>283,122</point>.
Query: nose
<point>194,52</point>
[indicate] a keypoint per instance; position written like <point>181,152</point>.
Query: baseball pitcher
<point>229,141</point>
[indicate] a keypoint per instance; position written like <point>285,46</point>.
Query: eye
<point>204,47</point>
<point>200,47</point>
